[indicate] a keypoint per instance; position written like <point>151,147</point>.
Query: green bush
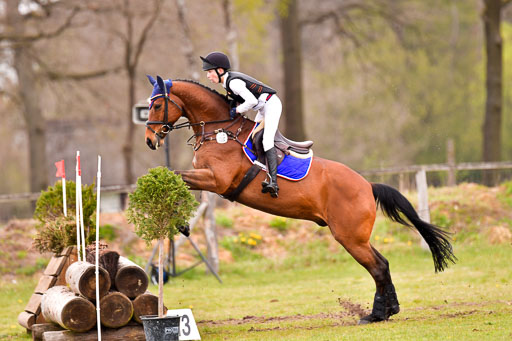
<point>49,204</point>
<point>108,232</point>
<point>56,234</point>
<point>54,231</point>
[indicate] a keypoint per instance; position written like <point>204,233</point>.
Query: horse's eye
<point>158,106</point>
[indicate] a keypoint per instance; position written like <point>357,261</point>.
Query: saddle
<point>284,146</point>
<point>295,168</point>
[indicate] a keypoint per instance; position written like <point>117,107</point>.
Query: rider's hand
<point>232,113</point>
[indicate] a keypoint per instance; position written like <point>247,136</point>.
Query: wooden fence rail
<point>421,179</point>
<point>439,167</point>
<point>452,168</point>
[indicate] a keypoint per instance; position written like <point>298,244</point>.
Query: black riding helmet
<point>216,60</point>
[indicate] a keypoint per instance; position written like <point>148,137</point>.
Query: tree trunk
<point>116,310</point>
<point>39,329</point>
<point>492,124</point>
<point>81,278</point>
<point>292,66</point>
<point>131,279</point>
<point>231,34</point>
<point>130,131</point>
<point>132,333</point>
<point>145,304</point>
<point>32,114</point>
<point>187,46</point>
<point>60,305</point>
<point>26,319</point>
<point>108,260</point>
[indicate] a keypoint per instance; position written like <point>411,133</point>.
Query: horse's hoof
<point>369,319</point>
<point>394,309</point>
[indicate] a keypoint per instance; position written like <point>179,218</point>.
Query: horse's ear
<point>151,80</point>
<point>161,85</point>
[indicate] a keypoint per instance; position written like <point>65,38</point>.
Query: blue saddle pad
<point>291,168</point>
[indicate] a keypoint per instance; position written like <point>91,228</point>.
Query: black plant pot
<point>165,328</point>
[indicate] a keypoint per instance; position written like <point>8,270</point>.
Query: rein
<point>209,136</point>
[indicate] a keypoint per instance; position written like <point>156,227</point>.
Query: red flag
<point>61,171</point>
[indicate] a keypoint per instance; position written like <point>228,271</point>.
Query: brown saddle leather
<point>283,146</point>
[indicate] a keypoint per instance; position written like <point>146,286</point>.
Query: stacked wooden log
<point>123,299</point>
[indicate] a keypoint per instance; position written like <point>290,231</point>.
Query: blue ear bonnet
<point>158,91</point>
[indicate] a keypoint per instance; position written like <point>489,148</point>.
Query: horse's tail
<point>392,203</point>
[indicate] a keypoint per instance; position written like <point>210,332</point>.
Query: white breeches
<point>271,113</point>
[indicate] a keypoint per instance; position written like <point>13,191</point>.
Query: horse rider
<point>249,93</point>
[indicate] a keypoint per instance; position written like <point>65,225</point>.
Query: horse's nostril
<point>149,143</point>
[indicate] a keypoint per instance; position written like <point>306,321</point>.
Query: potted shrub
<point>159,205</point>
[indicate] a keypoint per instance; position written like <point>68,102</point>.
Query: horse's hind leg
<point>357,244</point>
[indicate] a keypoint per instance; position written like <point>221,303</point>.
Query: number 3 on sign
<point>188,327</point>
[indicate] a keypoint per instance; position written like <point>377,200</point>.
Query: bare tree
<point>491,149</point>
<point>23,63</point>
<point>188,46</point>
<point>232,36</point>
<point>292,66</point>
<point>133,47</point>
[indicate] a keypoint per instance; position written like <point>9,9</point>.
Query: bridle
<point>167,127</point>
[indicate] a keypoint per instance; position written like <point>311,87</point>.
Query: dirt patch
<point>499,235</point>
<point>353,309</point>
<point>343,318</point>
<point>17,254</point>
<point>265,319</point>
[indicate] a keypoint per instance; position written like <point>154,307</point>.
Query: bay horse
<point>331,194</point>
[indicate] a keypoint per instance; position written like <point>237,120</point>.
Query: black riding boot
<point>271,187</point>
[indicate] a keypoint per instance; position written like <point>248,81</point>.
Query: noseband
<point>166,127</point>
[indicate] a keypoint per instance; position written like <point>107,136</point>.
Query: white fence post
<point>423,210</point>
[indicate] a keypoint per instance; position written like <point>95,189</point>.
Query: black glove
<point>232,113</point>
<point>185,230</point>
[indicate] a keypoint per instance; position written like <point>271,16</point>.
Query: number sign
<point>188,327</point>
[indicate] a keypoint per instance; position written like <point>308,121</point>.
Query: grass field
<point>319,299</point>
<point>288,280</point>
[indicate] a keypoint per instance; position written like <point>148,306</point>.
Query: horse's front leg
<point>199,179</point>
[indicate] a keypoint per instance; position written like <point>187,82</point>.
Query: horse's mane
<point>224,97</point>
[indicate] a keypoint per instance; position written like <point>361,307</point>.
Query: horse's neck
<point>200,103</point>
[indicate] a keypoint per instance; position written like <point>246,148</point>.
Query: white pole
<point>77,200</point>
<point>98,185</point>
<point>64,197</point>
<point>82,233</point>
<point>423,210</point>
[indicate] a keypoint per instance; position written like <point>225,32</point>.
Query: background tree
<point>133,46</point>
<point>491,150</point>
<point>23,63</point>
<point>292,69</point>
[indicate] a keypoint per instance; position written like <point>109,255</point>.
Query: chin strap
<point>220,75</point>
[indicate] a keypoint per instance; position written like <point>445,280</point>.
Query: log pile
<point>71,308</point>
